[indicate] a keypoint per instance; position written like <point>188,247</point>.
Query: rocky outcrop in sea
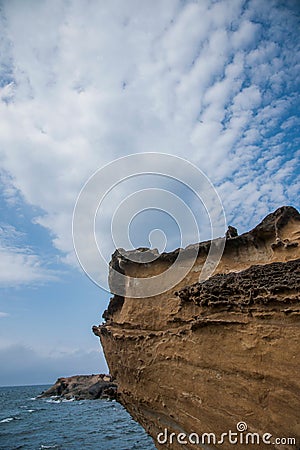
<point>83,387</point>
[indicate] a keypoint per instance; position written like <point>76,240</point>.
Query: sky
<point>82,84</point>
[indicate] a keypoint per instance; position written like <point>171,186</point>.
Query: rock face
<point>215,356</point>
<point>83,387</point>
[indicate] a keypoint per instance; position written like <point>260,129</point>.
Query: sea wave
<point>53,399</point>
<point>51,426</point>
<point>56,399</point>
<point>9,419</point>
<point>48,446</point>
<point>68,399</point>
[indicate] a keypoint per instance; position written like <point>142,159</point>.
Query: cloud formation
<point>19,265</point>
<point>85,82</point>
<point>23,365</point>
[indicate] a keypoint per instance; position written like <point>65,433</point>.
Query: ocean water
<point>30,423</point>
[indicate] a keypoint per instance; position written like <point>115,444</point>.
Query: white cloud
<point>248,99</point>
<point>88,82</point>
<point>247,34</point>
<point>39,368</point>
<point>19,265</point>
<point>3,314</point>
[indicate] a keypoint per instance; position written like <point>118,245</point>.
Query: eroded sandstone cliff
<point>202,357</point>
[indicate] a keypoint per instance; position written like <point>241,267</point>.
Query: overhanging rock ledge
<point>202,357</point>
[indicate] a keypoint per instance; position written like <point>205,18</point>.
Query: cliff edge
<point>217,361</point>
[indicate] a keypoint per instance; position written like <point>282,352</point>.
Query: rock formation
<point>215,356</point>
<point>83,387</point>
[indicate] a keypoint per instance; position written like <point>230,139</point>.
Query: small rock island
<point>83,387</point>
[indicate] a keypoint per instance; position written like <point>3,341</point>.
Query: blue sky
<point>83,83</point>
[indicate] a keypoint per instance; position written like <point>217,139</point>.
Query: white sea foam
<point>8,419</point>
<point>56,399</point>
<point>30,410</point>
<point>48,446</point>
<point>52,400</point>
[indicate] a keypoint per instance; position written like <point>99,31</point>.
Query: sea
<point>27,422</point>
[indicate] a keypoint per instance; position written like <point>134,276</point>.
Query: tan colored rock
<point>202,357</point>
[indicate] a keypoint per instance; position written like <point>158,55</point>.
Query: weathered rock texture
<point>204,356</point>
<point>82,387</point>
